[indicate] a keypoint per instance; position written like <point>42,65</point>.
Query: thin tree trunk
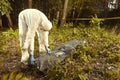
<point>57,17</point>
<point>30,3</point>
<point>9,20</point>
<point>63,21</point>
<point>80,9</point>
<point>1,23</point>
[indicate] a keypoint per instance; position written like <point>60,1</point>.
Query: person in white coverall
<point>29,22</point>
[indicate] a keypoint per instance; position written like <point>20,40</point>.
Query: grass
<point>98,59</point>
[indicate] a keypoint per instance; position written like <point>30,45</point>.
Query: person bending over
<point>31,21</point>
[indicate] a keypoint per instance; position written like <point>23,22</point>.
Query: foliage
<point>53,9</point>
<point>95,21</point>
<point>14,76</point>
<point>86,8</point>
<point>9,41</point>
<point>5,7</point>
<point>98,59</point>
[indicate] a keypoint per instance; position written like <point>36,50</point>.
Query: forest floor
<point>99,59</point>
<point>10,66</point>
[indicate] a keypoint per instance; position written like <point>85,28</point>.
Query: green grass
<point>98,59</point>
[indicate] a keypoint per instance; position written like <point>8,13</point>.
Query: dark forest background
<point>60,11</point>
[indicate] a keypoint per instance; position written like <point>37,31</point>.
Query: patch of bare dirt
<point>11,63</point>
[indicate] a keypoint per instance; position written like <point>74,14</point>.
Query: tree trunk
<point>9,20</point>
<point>63,21</point>
<point>57,17</point>
<point>1,22</point>
<point>30,3</point>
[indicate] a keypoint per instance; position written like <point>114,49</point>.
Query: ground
<point>98,59</point>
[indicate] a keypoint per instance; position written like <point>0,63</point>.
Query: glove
<point>31,60</point>
<point>48,50</point>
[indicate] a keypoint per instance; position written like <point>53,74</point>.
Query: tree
<point>56,8</point>
<point>5,9</point>
<point>30,3</point>
<point>63,20</point>
<point>0,21</point>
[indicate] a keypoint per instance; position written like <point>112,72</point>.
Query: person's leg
<point>29,45</point>
<point>43,41</point>
<point>31,52</point>
<point>40,40</point>
<point>22,35</point>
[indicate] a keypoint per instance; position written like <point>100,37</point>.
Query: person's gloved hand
<point>31,60</point>
<point>48,50</point>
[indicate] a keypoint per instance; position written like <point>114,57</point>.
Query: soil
<point>11,63</point>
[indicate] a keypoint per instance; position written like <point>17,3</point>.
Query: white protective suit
<point>31,21</point>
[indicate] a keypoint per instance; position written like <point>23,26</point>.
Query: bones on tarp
<point>57,55</point>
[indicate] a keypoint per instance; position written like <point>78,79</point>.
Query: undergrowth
<point>98,59</point>
<point>9,41</point>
